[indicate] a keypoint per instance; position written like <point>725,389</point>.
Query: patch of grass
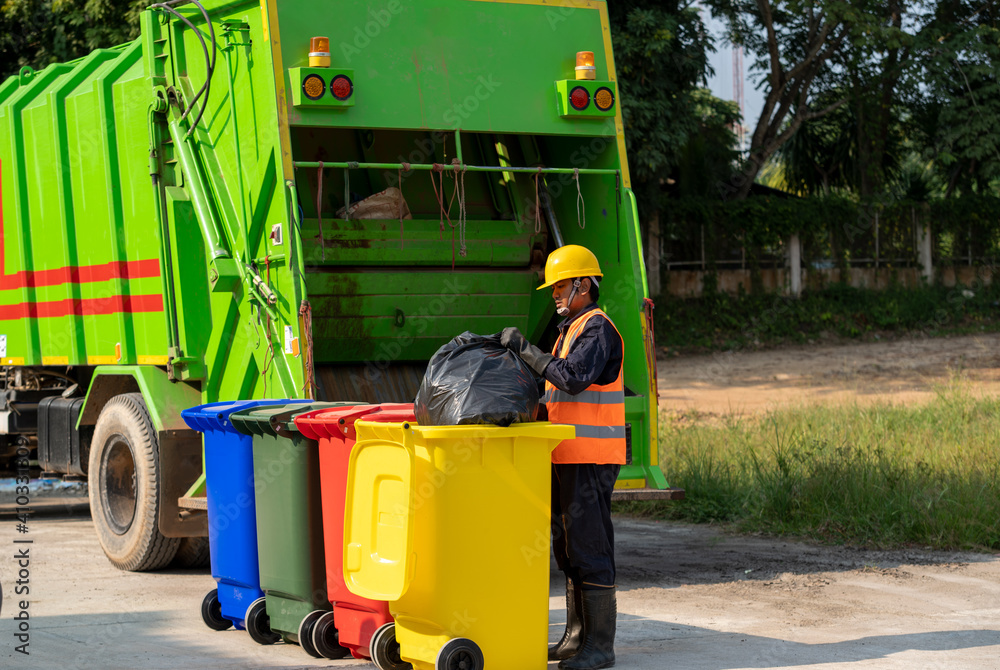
<point>883,476</point>
<point>720,321</point>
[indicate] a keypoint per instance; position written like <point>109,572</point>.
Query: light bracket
<point>305,92</point>
<point>604,92</point>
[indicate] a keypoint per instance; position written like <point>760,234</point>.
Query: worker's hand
<point>512,339</point>
<point>536,359</point>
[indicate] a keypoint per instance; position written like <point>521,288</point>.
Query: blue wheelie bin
<point>232,516</point>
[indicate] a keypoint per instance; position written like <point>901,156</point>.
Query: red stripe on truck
<point>115,304</point>
<point>82,274</point>
<point>76,274</point>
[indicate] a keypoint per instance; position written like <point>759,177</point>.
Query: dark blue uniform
<point>582,534</point>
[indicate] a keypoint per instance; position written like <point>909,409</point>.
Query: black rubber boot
<point>600,613</point>
<point>573,635</point>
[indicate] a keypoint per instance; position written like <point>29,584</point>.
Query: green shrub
<point>720,321</point>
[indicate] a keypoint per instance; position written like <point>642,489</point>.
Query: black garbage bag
<point>473,380</point>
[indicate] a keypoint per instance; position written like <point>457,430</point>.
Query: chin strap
<point>563,311</point>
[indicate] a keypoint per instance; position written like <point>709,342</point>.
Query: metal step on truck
<point>262,199</point>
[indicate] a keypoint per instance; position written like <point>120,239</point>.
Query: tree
<point>855,148</point>
<point>820,156</point>
<point>956,101</point>
<point>37,33</point>
<point>661,53</point>
<point>710,153</point>
<point>876,60</point>
<point>922,78</point>
<point>796,43</point>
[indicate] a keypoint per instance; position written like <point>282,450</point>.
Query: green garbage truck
<point>295,199</point>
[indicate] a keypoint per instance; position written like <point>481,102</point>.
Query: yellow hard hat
<point>569,262</point>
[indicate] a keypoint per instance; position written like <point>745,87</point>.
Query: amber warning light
<point>585,65</point>
<point>604,98</point>
<point>319,52</point>
<point>314,87</point>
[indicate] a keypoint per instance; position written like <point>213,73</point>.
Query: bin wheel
<point>306,632</point>
<point>459,654</point>
<point>124,481</point>
<point>259,624</point>
<point>211,612</point>
<point>385,649</point>
<point>326,639</point>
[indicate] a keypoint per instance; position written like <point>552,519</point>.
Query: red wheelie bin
<point>352,623</point>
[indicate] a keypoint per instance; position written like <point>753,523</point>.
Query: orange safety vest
<point>597,412</point>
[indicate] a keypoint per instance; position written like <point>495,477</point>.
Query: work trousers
<point>583,538</point>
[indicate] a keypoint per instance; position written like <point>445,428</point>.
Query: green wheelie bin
<point>289,519</point>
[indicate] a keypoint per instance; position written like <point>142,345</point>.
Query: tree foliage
<point>956,93</point>
<point>839,151</point>
<point>923,86</point>
<point>709,154</point>
<point>661,54</point>
<point>794,44</point>
<point>38,33</point>
<point>876,58</point>
<point>819,157</point>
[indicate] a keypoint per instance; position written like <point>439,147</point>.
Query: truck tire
<point>192,552</point>
<point>124,487</point>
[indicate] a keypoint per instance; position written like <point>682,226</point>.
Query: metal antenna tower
<point>741,130</point>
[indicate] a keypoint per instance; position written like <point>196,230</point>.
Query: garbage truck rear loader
<point>295,199</point>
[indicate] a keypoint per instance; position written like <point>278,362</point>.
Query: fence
<point>787,244</point>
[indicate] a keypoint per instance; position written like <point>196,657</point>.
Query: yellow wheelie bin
<point>450,524</point>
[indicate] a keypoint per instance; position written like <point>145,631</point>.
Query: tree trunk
<point>865,164</point>
<point>751,168</point>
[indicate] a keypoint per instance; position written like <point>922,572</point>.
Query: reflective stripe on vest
<point>597,412</point>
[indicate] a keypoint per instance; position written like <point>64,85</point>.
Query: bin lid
<point>547,433</point>
<point>402,415</point>
<point>339,423</point>
<point>277,419</point>
<point>378,518</point>
<point>330,422</point>
<point>215,415</point>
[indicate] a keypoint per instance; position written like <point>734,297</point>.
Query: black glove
<point>536,359</point>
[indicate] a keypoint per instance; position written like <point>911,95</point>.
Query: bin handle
<point>408,447</point>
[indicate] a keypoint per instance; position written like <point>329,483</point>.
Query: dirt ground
<point>902,371</point>
<point>691,597</point>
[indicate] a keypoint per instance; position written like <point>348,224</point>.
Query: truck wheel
<point>124,487</point>
<point>192,552</point>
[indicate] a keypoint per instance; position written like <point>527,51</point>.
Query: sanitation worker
<point>583,387</point>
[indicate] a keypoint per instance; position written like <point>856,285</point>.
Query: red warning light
<point>342,87</point>
<point>579,97</point>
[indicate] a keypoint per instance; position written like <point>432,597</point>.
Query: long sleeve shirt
<point>595,357</point>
